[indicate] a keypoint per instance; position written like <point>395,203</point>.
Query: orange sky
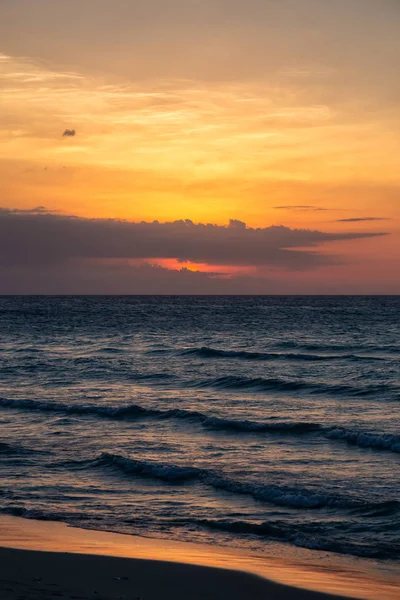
<point>268,114</point>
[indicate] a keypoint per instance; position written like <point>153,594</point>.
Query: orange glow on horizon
<point>175,265</point>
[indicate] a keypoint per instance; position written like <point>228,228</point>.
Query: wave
<point>13,449</point>
<point>150,376</point>
<point>296,428</point>
<point>135,411</point>
<point>362,439</point>
<point>8,449</point>
<point>383,509</point>
<point>277,384</point>
<point>153,470</point>
<point>27,350</point>
<point>110,350</point>
<point>312,536</point>
<point>242,426</point>
<point>206,352</point>
<point>366,440</point>
<point>38,514</point>
<point>318,535</point>
<point>121,412</point>
<point>183,474</point>
<point>341,348</point>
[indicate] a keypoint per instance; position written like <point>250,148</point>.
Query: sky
<point>200,146</point>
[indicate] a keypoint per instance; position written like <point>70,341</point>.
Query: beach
<point>49,560</point>
<point>30,574</point>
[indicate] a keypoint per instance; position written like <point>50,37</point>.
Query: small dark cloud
<point>358,219</point>
<point>69,133</point>
<point>299,207</point>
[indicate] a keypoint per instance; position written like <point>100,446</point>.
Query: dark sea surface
<point>234,420</point>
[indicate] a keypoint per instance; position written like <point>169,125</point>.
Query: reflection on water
<point>247,422</point>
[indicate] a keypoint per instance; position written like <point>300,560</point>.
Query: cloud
<point>37,210</point>
<point>235,224</point>
<point>358,219</point>
<point>43,238</point>
<point>69,133</point>
<point>299,207</point>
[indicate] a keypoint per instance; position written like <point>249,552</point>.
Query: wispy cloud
<point>202,128</point>
<point>37,210</point>
<point>358,219</point>
<point>216,139</point>
<point>300,207</point>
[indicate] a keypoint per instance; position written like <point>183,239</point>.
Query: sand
<point>42,560</point>
<point>30,574</point>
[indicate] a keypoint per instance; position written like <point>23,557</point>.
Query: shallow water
<point>236,420</point>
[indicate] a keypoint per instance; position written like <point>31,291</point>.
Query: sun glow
<point>173,264</point>
<point>172,148</point>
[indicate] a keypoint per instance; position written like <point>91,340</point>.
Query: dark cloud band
<point>39,238</point>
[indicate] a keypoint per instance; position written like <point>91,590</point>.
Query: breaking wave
<point>181,474</point>
<point>364,439</point>
<point>304,536</point>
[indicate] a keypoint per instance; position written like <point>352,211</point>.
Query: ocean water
<point>243,421</point>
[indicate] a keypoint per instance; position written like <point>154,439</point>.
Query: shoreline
<point>28,574</point>
<point>52,544</point>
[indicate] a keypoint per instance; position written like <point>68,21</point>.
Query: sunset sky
<point>263,136</point>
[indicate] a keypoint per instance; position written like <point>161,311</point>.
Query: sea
<point>241,421</point>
